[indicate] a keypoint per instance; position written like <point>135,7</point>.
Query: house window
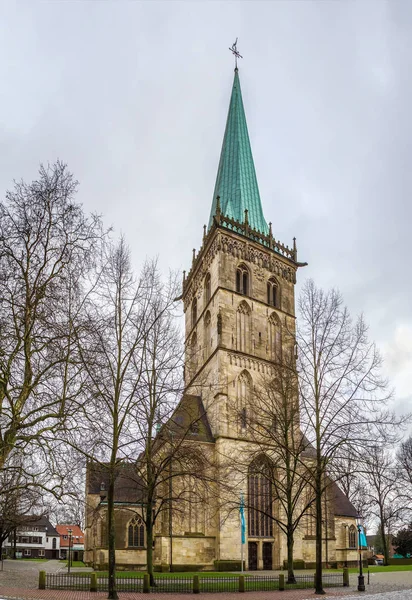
<point>194,312</point>
<point>352,536</point>
<point>41,552</point>
<point>242,280</point>
<point>55,543</point>
<point>207,288</point>
<point>136,533</point>
<point>27,552</point>
<point>273,292</point>
<point>65,537</point>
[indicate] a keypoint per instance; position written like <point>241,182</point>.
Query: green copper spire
<point>236,182</point>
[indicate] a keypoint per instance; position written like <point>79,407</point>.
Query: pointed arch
<point>207,288</point>
<point>243,330</point>
<point>193,312</point>
<point>193,354</point>
<point>274,338</point>
<point>260,498</point>
<point>243,280</point>
<point>273,292</point>
<point>136,532</point>
<point>352,536</point>
<point>207,333</point>
<point>243,393</point>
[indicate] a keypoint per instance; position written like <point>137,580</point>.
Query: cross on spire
<point>235,53</point>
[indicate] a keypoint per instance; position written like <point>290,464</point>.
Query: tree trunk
<point>111,537</point>
<point>318,504</point>
<point>384,544</point>
<point>290,542</point>
<point>149,542</point>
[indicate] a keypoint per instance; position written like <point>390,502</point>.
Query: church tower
<point>239,306</point>
<point>239,293</point>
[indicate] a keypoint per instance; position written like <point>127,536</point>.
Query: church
<point>239,305</point>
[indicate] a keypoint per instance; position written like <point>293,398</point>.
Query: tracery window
<point>242,280</point>
<point>352,536</point>
<point>207,288</point>
<point>193,354</point>
<point>194,312</point>
<point>273,292</point>
<point>275,338</point>
<point>243,327</point>
<point>136,533</point>
<point>260,500</point>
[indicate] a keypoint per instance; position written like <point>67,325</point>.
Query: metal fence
<point>172,585</point>
<point>184,584</point>
<point>61,581</point>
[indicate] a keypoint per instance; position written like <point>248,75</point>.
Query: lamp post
<point>361,578</point>
<point>69,531</point>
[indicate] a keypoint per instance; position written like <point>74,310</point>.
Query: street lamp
<point>69,531</point>
<point>361,578</point>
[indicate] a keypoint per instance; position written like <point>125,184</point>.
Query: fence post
<point>146,583</point>
<point>93,582</point>
<point>196,584</point>
<point>42,580</point>
<point>281,582</point>
<point>241,583</point>
<point>345,577</point>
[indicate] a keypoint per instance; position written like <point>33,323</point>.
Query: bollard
<point>42,580</point>
<point>93,582</point>
<point>196,584</point>
<point>241,583</point>
<point>345,577</point>
<point>281,582</point>
<point>146,583</point>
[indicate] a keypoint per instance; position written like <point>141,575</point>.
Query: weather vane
<point>235,52</point>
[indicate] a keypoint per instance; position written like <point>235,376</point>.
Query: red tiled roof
<point>77,535</point>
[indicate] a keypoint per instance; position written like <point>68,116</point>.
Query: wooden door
<point>252,553</point>
<point>267,556</point>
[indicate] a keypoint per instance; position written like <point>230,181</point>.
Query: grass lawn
<point>74,563</point>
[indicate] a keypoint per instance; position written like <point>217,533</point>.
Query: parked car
<point>379,561</point>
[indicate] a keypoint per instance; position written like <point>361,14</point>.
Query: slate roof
<point>343,506</point>
<point>42,523</point>
<point>129,488</point>
<point>236,181</point>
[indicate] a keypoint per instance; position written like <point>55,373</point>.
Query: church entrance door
<point>267,556</point>
<point>252,553</point>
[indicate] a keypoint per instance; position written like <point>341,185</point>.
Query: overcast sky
<point>134,97</point>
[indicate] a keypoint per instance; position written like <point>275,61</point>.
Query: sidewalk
<point>23,594</point>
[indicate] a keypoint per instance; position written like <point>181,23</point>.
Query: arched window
<point>194,312</point>
<point>273,296</point>
<point>274,338</point>
<point>136,533</point>
<point>244,390</point>
<point>243,327</point>
<point>260,501</point>
<point>207,288</point>
<point>352,536</point>
<point>208,339</point>
<point>242,280</point>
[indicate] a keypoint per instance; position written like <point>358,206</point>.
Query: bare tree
<point>46,244</point>
<point>382,493</point>
<point>343,396</point>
